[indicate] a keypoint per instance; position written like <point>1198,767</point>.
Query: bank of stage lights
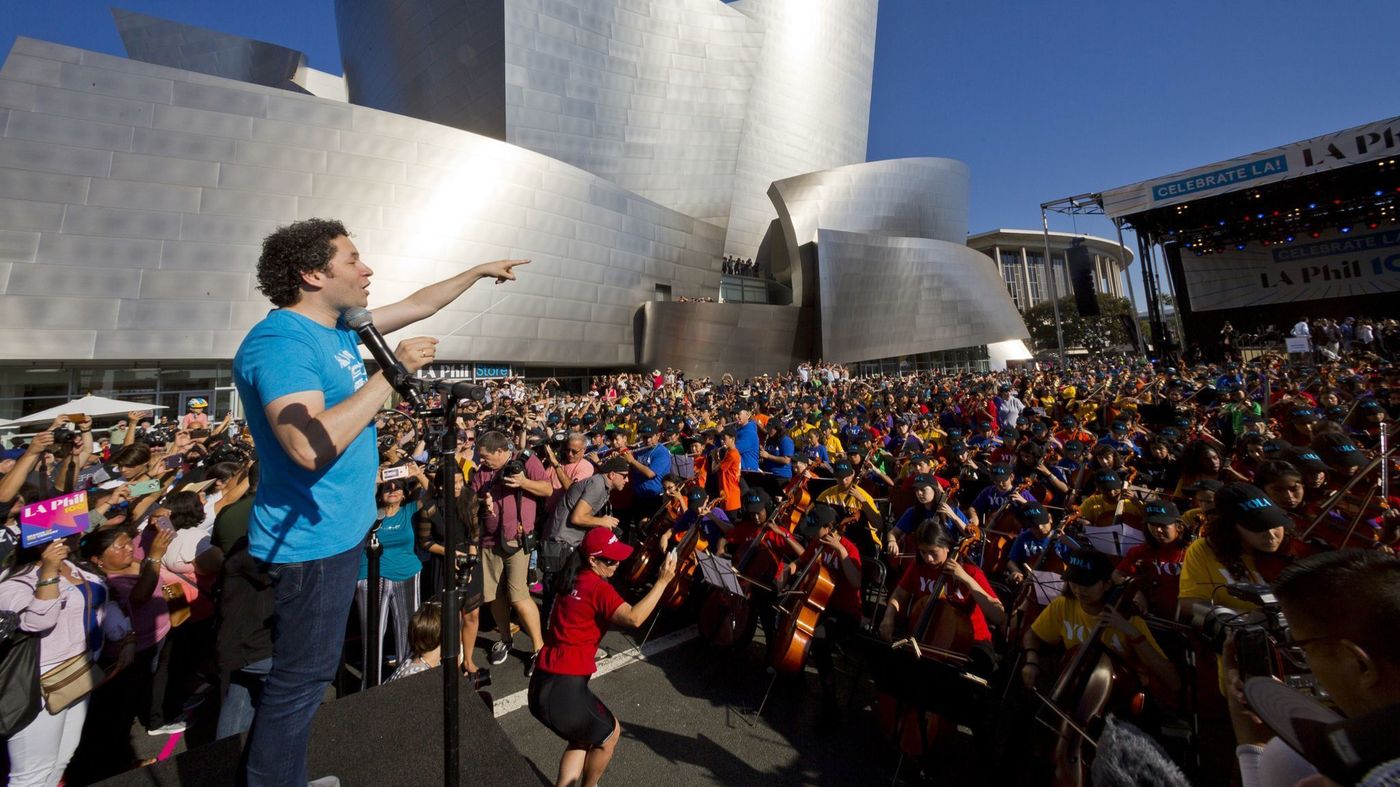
<point>1281,228</point>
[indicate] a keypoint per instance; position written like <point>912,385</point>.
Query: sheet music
<point>1047,585</point>
<point>1114,539</point>
<point>719,572</point>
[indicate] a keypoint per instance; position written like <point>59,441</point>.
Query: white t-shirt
<point>1301,329</point>
<point>188,544</point>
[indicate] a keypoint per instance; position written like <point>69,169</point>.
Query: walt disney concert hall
<point>688,176</point>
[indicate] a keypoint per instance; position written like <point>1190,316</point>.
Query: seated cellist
<point>1069,619</point>
<point>968,592</point>
<point>842,617</point>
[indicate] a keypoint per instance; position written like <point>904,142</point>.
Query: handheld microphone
<point>363,323</point>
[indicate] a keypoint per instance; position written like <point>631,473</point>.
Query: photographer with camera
<point>512,486</point>
<point>1342,610</point>
<point>567,470</point>
<point>584,506</point>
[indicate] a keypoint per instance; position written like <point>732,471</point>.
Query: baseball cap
<point>646,428</point>
<point>1088,567</point>
<point>1034,514</point>
<point>999,471</point>
<point>818,516</point>
<point>1247,506</point>
<point>1206,485</point>
<point>1339,450</point>
<point>696,495</point>
<point>842,468</point>
<point>755,500</point>
<point>1160,512</point>
<point>1107,479</point>
<point>603,542</point>
<point>1305,415</point>
<point>921,480</point>
<point>1306,459</point>
<point>614,465</point>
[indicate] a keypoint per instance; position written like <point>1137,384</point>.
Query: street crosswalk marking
<point>520,699</point>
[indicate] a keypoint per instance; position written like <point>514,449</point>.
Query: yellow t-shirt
<point>1095,506</point>
<point>848,503</point>
<point>1204,577</point>
<point>1066,623</point>
<point>465,462</point>
<point>834,447</point>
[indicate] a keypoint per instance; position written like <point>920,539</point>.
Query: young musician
<point>968,591</point>
<point>559,695</point>
<point>841,558</point>
<point>1156,564</point>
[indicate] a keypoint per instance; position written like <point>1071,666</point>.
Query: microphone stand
<point>373,637</point>
<point>452,392</point>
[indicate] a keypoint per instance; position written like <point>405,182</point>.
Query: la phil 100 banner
<point>1335,265</point>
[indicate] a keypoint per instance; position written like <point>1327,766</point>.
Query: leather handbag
<point>19,676</point>
<point>177,602</point>
<point>69,681</point>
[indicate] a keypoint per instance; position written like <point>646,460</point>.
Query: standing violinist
<point>1072,617</point>
<point>969,594</point>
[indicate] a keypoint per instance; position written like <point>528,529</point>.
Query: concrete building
<point>1020,256</point>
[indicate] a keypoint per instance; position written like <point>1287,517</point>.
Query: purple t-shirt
<point>503,523</point>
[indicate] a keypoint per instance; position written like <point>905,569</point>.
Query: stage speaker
<point>1081,279</point>
<point>390,736</point>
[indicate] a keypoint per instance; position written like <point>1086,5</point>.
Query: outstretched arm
<point>428,301</point>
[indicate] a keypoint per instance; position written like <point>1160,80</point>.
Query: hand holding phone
<point>143,488</point>
<point>392,473</point>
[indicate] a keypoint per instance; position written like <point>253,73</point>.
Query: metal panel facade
<point>131,242</point>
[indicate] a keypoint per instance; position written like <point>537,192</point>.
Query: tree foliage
<point>1095,334</point>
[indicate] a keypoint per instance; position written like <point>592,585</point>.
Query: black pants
<point>838,627</point>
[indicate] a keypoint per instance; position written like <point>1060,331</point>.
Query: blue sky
<point>1042,100</point>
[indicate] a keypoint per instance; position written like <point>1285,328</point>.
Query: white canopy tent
<point>91,406</point>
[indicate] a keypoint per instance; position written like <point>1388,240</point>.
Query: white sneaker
<point>170,729</point>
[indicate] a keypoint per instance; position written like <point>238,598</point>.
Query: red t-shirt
<point>919,579</point>
<point>577,626</point>
<point>743,534</point>
<point>1158,572</point>
<point>846,597</point>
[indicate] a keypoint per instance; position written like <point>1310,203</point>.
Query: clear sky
<point>1042,99</point>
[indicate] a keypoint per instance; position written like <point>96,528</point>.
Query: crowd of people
<point>1331,338</point>
<point>982,529</point>
<point>735,266</point>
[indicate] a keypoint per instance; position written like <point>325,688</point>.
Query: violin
<point>809,594</point>
<point>648,556</point>
<point>1091,682</point>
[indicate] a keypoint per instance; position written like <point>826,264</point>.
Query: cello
<point>729,618</point>
<point>1091,681</point>
<point>649,554</point>
<point>807,598</point>
<point>687,561</point>
<point>939,634</point>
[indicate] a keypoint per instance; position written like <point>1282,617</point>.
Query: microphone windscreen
<point>358,318</point>
<point>1126,757</point>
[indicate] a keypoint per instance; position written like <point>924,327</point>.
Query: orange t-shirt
<point>729,479</point>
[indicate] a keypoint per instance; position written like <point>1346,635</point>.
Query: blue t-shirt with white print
<point>303,514</point>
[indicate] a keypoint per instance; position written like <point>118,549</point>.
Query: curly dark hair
<point>298,248</point>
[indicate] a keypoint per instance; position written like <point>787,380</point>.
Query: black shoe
<point>530,664</point>
<point>498,654</point>
<point>479,679</point>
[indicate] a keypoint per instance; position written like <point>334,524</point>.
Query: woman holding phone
<point>399,566</point>
<point>587,605</point>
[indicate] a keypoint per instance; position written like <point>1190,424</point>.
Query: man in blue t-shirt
<point>651,463</point>
<point>777,450</point>
<point>746,441</point>
<point>310,407</point>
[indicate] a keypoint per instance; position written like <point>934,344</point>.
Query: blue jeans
<point>308,633</point>
<point>245,690</point>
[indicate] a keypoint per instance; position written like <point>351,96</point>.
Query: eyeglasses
<point>606,562</point>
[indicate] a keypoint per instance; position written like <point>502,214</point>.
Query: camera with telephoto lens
<point>514,467</point>
<point>1263,646</point>
<point>65,436</point>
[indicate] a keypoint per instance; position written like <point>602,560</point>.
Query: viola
<point>648,556</point>
<point>1091,683</point>
<point>806,600</point>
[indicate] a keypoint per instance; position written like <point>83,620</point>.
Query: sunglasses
<point>606,562</point>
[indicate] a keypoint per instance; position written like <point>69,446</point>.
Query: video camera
<point>1262,638</point>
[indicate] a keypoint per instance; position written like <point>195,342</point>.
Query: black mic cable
<point>363,323</point>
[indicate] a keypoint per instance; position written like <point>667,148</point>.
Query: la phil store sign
<point>1331,151</point>
<point>1335,265</point>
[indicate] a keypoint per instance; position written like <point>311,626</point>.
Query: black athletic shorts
<point>564,704</point>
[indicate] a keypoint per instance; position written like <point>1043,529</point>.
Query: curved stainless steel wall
<point>810,104</point>
<point>133,198</point>
<point>883,297</point>
<point>437,60</point>
<point>168,43</point>
<point>743,339</point>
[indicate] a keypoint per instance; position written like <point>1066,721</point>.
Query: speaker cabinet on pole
<point>1081,279</point>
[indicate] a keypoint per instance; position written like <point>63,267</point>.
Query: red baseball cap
<point>603,542</point>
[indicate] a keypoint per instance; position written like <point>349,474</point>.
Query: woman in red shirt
<point>559,693</point>
<point>968,591</point>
